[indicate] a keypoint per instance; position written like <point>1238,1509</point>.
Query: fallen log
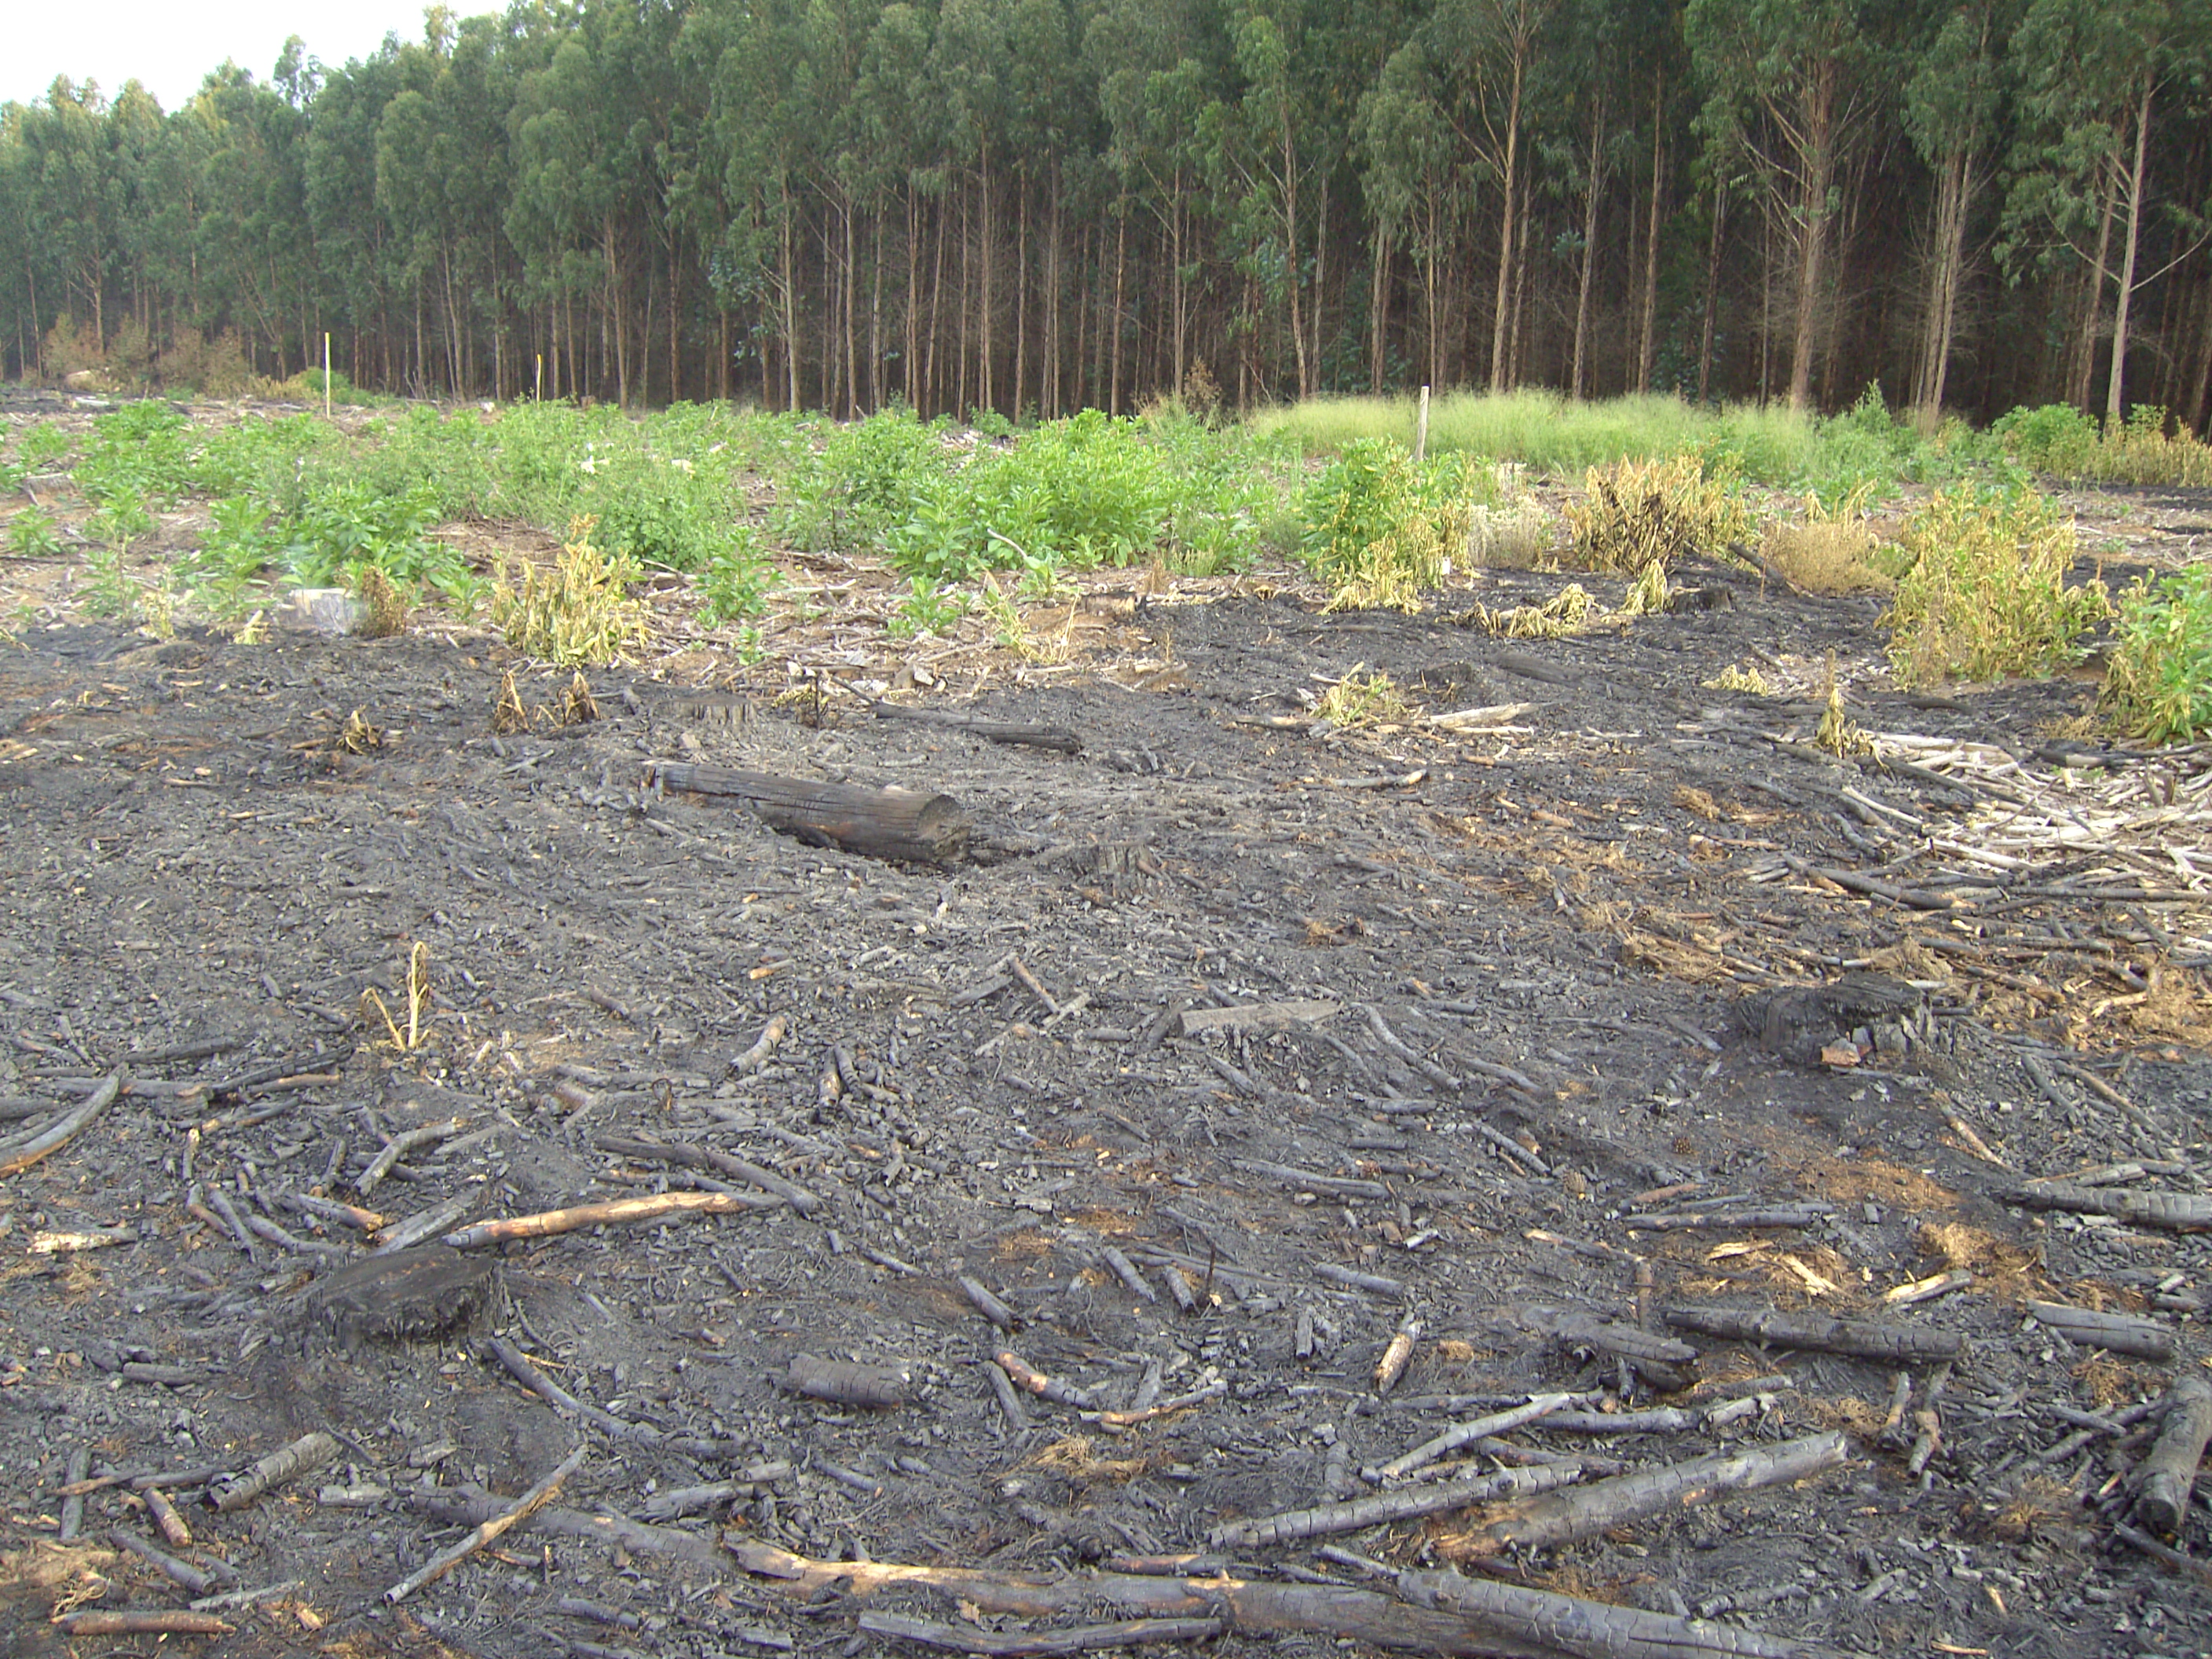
<point>2167,1474</point>
<point>451,1556</point>
<point>1860,1339</point>
<point>1437,1614</point>
<point>18,1155</point>
<point>886,823</point>
<point>469,1507</point>
<point>709,1158</point>
<point>2180,1213</point>
<point>2140,1339</point>
<point>1020,1644</point>
<point>659,1206</point>
<point>991,731</point>
<point>1409,1503</point>
<point>1562,1517</point>
<point>142,1621</point>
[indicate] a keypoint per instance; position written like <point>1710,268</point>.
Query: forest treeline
<point>1038,205</point>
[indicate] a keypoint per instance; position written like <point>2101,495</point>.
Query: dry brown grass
<point>1072,1458</point>
<point>383,607</point>
<point>1827,555</point>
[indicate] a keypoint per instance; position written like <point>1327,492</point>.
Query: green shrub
<point>228,574</point>
<point>1985,593</point>
<point>736,580</point>
<point>1379,529</point>
<point>2059,440</point>
<point>2158,682</point>
<point>2056,438</point>
<point>31,535</point>
<point>142,450</point>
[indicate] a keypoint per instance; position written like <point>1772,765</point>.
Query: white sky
<point>171,46</point>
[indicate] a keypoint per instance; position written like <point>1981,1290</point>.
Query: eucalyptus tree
<point>2095,78</point>
<point>1414,180</point>
<point>1153,88</point>
<point>1951,105</point>
<point>1051,107</point>
<point>1797,84</point>
<point>75,197</point>
<point>902,131</point>
<point>1489,47</point>
<point>256,250</point>
<point>1267,146</point>
<point>21,249</point>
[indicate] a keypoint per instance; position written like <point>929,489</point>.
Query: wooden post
<point>1421,429</point>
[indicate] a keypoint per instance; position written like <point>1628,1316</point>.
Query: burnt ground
<point>1550,949</point>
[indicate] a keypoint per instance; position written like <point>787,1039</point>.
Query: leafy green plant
<point>928,609</point>
<point>1380,529</point>
<point>122,519</point>
<point>2059,440</point>
<point>342,527</point>
<point>31,535</point>
<point>1639,514</point>
<point>1986,593</point>
<point>227,576</point>
<point>42,445</point>
<point>2158,677</point>
<point>736,580</point>
<point>142,451</point>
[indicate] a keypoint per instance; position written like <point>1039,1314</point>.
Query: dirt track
<point>1537,943</point>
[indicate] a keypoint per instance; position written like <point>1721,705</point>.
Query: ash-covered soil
<point>1321,1031</point>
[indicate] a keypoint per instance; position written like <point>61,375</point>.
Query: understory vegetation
<point>208,524</point>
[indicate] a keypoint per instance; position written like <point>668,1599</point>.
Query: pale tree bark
<point>1955,186</point>
<point>2133,234</point>
<point>1647,351</point>
<point>1508,214</point>
<point>1594,185</point>
<point>1819,122</point>
<point>2093,319</point>
<point>1712,292</point>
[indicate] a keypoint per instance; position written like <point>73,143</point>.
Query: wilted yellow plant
<point>1986,594</point>
<point>580,612</point>
<point>1636,514</point>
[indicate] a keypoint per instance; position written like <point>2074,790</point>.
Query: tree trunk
<point>790,304</point>
<point>985,378</point>
<point>929,385</point>
<point>1378,289</point>
<point>1048,394</point>
<point>2134,189</point>
<point>876,305</point>
<point>852,347</point>
<point>1176,298</point>
<point>1291,254</point>
<point>1712,292</point>
<point>1506,218</point>
<point>1021,289</point>
<point>1121,269</point>
<point>1321,276</point>
<point>1648,336</point>
<point>1954,190</point>
<point>913,363</point>
<point>960,404</point>
<point>1594,182</point>
<point>2093,326</point>
<point>1819,111</point>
